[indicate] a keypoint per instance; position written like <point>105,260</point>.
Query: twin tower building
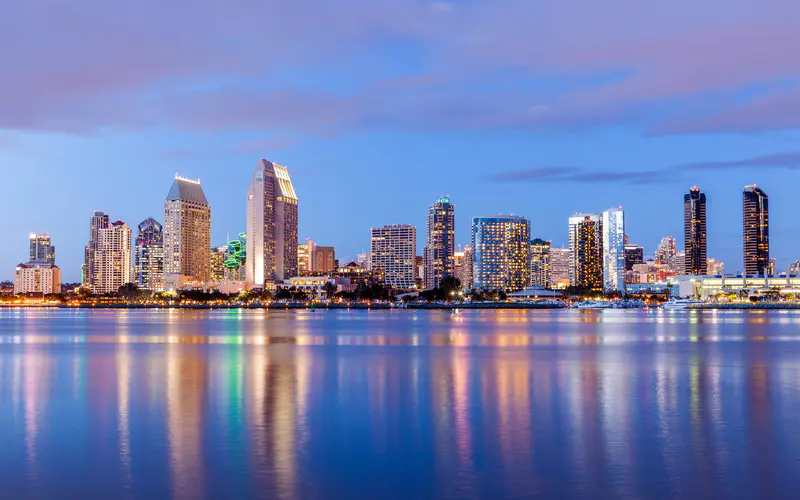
<point>178,254</point>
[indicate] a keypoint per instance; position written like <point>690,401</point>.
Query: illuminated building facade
<point>614,250</point>
<point>217,264</point>
<point>41,248</point>
<point>715,267</point>
<point>559,267</point>
<point>666,250</point>
<point>98,221</point>
<point>37,277</point>
<point>586,251</point>
<point>272,226</point>
<point>393,250</point>
<point>235,259</point>
<point>540,263</point>
<point>694,231</point>
<point>324,260</point>
<point>149,256</point>
<point>187,234</point>
<point>501,252</point>
<point>634,254</point>
<point>305,258</point>
<point>440,243</point>
<point>113,265</point>
<point>755,230</point>
<point>465,274</point>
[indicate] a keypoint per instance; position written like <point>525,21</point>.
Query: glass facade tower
<point>694,231</point>
<point>755,230</point>
<point>149,256</point>
<point>440,242</point>
<point>500,252</point>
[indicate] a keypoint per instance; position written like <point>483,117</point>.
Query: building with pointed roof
<point>187,234</point>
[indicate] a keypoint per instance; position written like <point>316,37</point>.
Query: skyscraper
<point>559,267</point>
<point>217,263</point>
<point>393,250</point>
<point>755,230</point>
<point>540,263</point>
<point>440,242</point>
<point>666,250</point>
<point>236,259</point>
<point>112,258</point>
<point>586,251</point>
<point>98,221</point>
<point>305,258</point>
<point>501,248</point>
<point>41,249</point>
<point>465,276</point>
<point>324,260</point>
<point>614,250</point>
<point>272,226</point>
<point>187,234</point>
<point>149,256</point>
<point>694,231</point>
<point>634,254</point>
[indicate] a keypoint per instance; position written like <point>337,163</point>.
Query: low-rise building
<point>37,277</point>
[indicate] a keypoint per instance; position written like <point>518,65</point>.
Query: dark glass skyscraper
<point>149,256</point>
<point>755,230</point>
<point>440,242</point>
<point>694,231</point>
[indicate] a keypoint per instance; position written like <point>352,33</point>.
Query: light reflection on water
<point>357,404</point>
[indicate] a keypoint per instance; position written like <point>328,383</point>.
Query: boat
<point>593,305</point>
<point>677,304</point>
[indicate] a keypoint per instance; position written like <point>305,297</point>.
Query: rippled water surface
<point>402,404</point>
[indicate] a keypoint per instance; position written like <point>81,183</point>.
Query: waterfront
<point>399,404</point>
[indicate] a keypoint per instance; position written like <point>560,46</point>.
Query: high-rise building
<point>540,263</point>
<point>586,251</point>
<point>755,230</point>
<point>772,267</point>
<point>272,226</point>
<point>465,274</point>
<point>149,256</point>
<point>98,221</point>
<point>217,263</point>
<point>694,231</point>
<point>440,242</point>
<point>559,267</point>
<point>41,248</point>
<point>677,263</point>
<point>37,277</point>
<point>324,260</point>
<point>794,268</point>
<point>614,250</point>
<point>501,252</point>
<point>305,258</point>
<point>715,268</point>
<point>113,266</point>
<point>364,260</point>
<point>236,258</point>
<point>666,250</point>
<point>393,250</point>
<point>187,234</point>
<point>634,254</point>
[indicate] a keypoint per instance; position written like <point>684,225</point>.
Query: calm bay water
<point>402,404</point>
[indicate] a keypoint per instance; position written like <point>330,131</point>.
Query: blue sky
<point>540,108</point>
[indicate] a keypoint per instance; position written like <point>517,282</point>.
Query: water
<point>403,404</point>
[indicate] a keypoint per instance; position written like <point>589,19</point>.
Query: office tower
<point>694,231</point>
<point>540,263</point>
<point>41,248</point>
<point>112,258</point>
<point>419,270</point>
<point>634,254</point>
<point>677,263</point>
<point>559,267</point>
<point>614,250</point>
<point>586,251</point>
<point>98,221</point>
<point>364,260</point>
<point>465,276</point>
<point>272,218</point>
<point>440,242</point>
<point>305,258</point>
<point>666,250</point>
<point>755,230</point>
<point>393,250</point>
<point>772,267</point>
<point>149,256</point>
<point>324,260</point>
<point>501,249</point>
<point>187,234</point>
<point>217,263</point>
<point>236,258</point>
<point>37,277</point>
<point>715,268</point>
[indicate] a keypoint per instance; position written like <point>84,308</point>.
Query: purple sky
<point>536,107</point>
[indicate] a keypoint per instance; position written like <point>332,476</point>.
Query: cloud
<point>786,160</point>
<point>314,66</point>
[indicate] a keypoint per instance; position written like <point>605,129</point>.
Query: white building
<point>614,250</point>
<point>112,259</point>
<point>393,250</point>
<point>272,227</point>
<point>37,277</point>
